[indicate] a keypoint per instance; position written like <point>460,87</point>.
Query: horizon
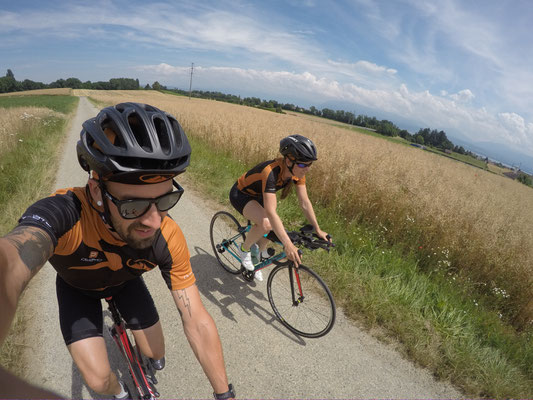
<point>459,67</point>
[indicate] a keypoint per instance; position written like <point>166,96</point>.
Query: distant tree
<point>60,83</point>
<point>147,87</point>
<point>31,85</point>
<point>387,128</point>
<point>406,135</point>
<point>156,86</point>
<point>288,106</point>
<point>73,83</point>
<point>525,179</point>
<point>328,113</point>
<point>9,84</point>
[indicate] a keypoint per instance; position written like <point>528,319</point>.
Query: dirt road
<point>264,360</point>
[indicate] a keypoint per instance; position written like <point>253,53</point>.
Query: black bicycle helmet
<point>298,148</point>
<point>133,143</point>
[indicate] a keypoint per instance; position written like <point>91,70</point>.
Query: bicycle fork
<point>295,300</point>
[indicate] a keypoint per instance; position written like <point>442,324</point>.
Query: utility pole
<point>190,82</point>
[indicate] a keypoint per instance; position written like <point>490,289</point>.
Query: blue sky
<point>465,67</point>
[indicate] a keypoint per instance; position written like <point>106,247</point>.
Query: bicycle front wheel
<point>301,300</point>
<point>227,235</point>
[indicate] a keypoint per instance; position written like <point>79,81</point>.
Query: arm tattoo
<point>34,246</point>
<point>182,296</point>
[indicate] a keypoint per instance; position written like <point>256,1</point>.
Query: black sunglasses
<point>304,165</point>
<point>135,208</point>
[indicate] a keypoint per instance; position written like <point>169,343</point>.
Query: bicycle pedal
<point>152,379</point>
<point>248,275</point>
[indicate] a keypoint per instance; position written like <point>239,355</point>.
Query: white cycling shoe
<point>246,259</point>
<point>259,276</point>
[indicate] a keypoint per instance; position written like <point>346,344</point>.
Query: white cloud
<point>445,112</point>
<point>463,96</point>
<point>363,67</point>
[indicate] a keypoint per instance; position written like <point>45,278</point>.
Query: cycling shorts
<point>80,315</point>
<point>239,199</point>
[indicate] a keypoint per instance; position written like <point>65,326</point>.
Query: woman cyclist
<point>254,196</point>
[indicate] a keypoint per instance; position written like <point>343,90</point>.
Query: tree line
<point>8,84</point>
<point>426,136</point>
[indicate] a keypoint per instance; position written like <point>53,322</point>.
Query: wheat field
<point>18,119</point>
<point>475,223</point>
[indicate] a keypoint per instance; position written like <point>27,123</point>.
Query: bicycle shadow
<point>234,289</point>
<point>116,360</point>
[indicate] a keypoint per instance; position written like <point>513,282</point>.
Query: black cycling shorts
<point>239,199</point>
<point>80,315</point>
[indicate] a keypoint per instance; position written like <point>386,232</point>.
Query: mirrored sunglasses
<point>304,165</point>
<point>135,208</point>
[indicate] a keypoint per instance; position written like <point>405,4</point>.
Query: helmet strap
<point>106,214</point>
<point>292,165</point>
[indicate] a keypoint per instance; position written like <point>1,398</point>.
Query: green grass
<point>462,158</point>
<point>27,174</point>
<point>433,317</point>
<point>62,104</point>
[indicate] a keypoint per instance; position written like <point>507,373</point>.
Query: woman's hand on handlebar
<point>292,254</point>
<point>323,235</point>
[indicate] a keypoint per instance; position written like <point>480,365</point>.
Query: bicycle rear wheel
<point>227,235</point>
<point>301,300</point>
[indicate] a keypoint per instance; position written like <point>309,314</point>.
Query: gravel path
<point>264,360</point>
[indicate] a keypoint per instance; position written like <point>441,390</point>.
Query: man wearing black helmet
<point>101,238</point>
<point>254,196</point>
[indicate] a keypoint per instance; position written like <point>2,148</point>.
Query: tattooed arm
<point>23,252</point>
<point>202,335</point>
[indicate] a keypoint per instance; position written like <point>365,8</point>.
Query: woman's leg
<point>261,225</point>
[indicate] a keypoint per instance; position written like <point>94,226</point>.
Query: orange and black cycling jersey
<point>266,178</point>
<point>87,256</point>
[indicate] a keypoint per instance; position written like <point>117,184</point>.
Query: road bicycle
<point>301,300</point>
<point>141,370</point>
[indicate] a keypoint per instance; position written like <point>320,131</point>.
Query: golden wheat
<point>475,221</point>
<point>14,120</point>
<point>52,92</point>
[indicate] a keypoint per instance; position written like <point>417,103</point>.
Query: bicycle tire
<point>226,238</point>
<point>311,315</point>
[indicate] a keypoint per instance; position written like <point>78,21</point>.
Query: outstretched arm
<point>23,252</point>
<point>307,208</point>
<point>270,202</point>
<point>202,335</point>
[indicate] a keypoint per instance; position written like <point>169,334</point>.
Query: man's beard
<point>128,235</point>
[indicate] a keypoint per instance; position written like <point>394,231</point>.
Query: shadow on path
<point>211,278</point>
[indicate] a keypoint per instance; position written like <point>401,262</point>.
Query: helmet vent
<point>162,134</point>
<point>139,132</point>
<point>176,129</point>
